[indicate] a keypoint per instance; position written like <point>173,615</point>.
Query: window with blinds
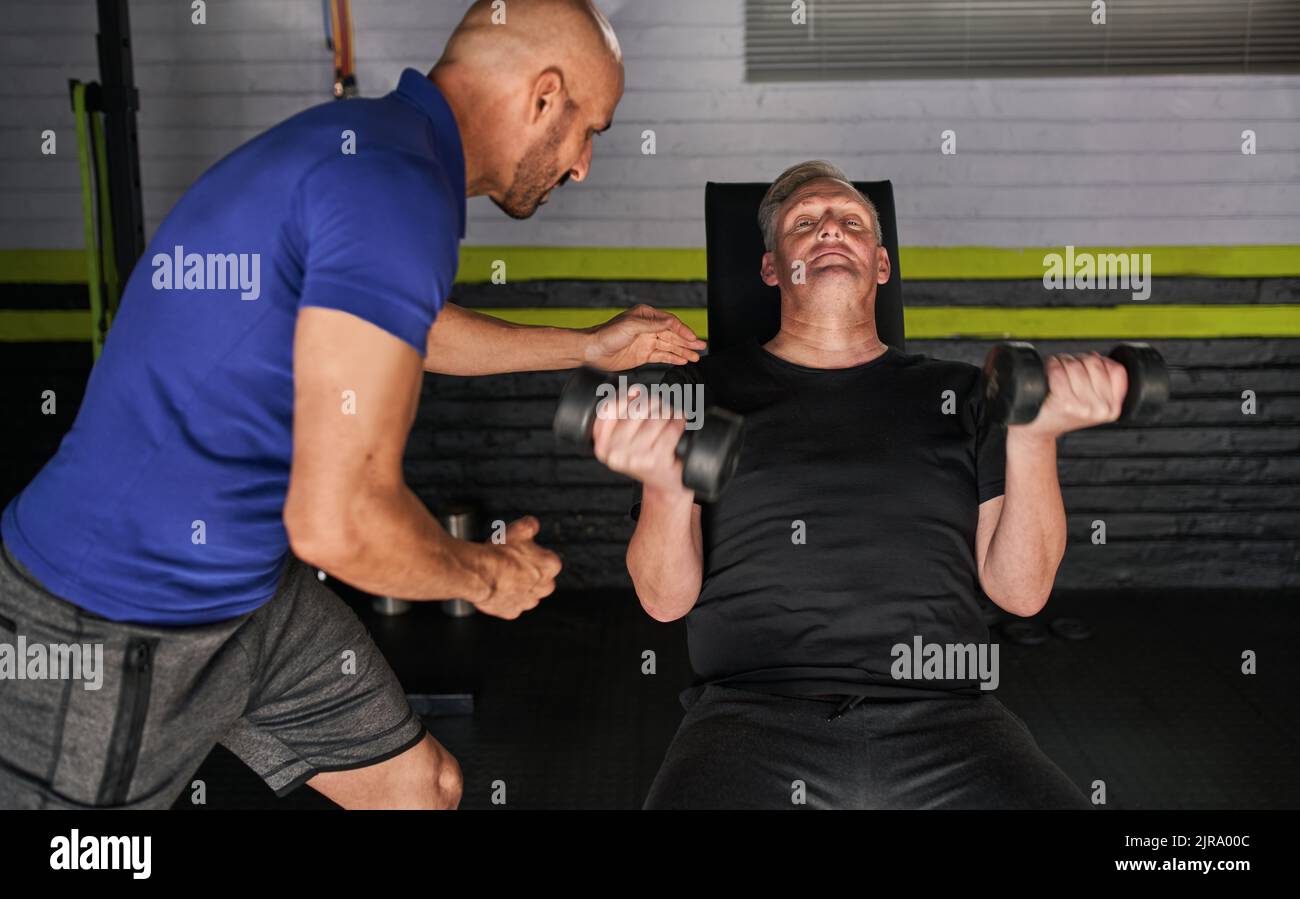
<point>868,39</point>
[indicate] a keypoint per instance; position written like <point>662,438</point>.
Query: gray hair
<point>796,177</point>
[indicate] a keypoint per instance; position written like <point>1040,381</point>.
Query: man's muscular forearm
<point>387,543</point>
<point>665,556</point>
<point>465,342</point>
<point>1029,541</point>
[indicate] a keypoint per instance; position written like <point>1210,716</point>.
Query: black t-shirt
<point>879,469</point>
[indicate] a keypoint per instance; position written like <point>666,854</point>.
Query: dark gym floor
<point>1154,704</point>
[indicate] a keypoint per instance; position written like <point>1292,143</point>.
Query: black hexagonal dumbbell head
<point>709,453</point>
<point>1148,380</point>
<point>1015,383</point>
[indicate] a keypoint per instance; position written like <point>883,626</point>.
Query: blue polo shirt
<point>164,503</point>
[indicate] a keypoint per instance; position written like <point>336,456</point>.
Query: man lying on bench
<point>831,594</point>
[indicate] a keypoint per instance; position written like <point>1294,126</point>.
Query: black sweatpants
<point>741,749</point>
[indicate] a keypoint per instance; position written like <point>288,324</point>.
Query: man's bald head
<point>532,82</point>
<point>532,32</point>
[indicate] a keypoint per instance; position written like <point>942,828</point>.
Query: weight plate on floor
<point>1025,633</point>
<point>1071,629</point>
<point>989,613</point>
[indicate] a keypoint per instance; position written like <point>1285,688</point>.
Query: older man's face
<point>824,239</point>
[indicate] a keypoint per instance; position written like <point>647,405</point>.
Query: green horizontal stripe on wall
<point>581,264</point>
<point>921,323</point>
<point>43,266</point>
<point>25,325</point>
<point>1000,263</point>
<point>688,264</point>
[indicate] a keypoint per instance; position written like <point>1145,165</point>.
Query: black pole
<point>121,100</point>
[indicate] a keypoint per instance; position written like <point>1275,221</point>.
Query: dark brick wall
<point>1207,498</point>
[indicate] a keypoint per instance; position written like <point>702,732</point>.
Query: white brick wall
<point>1152,160</point>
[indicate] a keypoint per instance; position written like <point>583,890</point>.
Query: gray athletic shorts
<point>294,688</point>
<point>741,749</point>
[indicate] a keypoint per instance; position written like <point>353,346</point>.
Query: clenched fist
<point>518,572</point>
<point>1082,391</point>
<point>634,442</point>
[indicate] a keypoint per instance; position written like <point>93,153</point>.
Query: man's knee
<point>426,776</point>
<point>434,781</point>
<point>448,782</point>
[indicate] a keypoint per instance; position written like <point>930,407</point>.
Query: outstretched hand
<point>642,335</point>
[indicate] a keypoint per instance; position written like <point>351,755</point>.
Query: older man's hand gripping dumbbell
<point>643,433</point>
<point>1068,392</point>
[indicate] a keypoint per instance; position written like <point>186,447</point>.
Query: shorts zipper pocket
<point>128,726</point>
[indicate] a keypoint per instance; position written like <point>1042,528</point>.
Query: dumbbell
<point>709,454</point>
<point>1148,380</point>
<point>1015,383</point>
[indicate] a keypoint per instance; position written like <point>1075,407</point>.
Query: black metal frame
<point>119,100</point>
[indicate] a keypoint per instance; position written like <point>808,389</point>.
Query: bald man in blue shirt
<point>246,423</point>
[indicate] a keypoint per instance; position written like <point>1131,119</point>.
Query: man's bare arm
<point>666,554</point>
<point>348,509</point>
<point>1020,539</point>
<point>465,342</point>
